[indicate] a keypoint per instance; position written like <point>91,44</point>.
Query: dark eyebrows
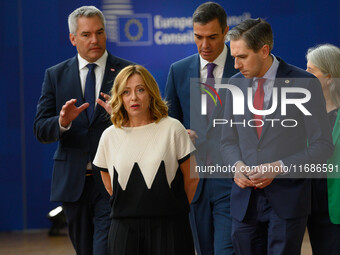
<point>240,56</point>
<point>212,35</point>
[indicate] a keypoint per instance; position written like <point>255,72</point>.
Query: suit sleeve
<point>172,98</point>
<point>46,123</point>
<point>317,129</point>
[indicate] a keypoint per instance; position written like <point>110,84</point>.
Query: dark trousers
<point>323,234</point>
<point>263,232</point>
<point>210,218</point>
<point>89,221</point>
<point>151,236</point>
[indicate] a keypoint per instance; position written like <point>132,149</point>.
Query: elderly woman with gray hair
<point>323,223</point>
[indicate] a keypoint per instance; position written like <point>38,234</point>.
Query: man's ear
<point>265,51</point>
<point>226,31</point>
<point>73,39</point>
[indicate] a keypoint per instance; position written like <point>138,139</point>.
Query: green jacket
<point>333,180</point>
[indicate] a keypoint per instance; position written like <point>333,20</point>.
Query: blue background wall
<point>35,36</point>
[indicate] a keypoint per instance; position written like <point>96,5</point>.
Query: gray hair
<point>326,57</point>
<point>255,32</point>
<point>84,11</point>
<point>209,11</point>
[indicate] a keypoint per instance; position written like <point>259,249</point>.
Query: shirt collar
<point>220,60</point>
<point>101,62</point>
<point>271,73</point>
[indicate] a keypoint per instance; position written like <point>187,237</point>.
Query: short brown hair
<point>255,32</point>
<point>158,107</point>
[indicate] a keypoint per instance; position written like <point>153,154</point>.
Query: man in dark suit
<point>269,204</point>
<point>210,210</point>
<point>68,112</point>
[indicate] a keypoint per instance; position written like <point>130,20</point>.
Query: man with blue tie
<point>269,206</point>
<point>68,111</point>
<point>210,209</point>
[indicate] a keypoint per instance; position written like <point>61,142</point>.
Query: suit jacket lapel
<point>75,85</point>
<point>228,71</point>
<point>280,81</point>
<point>248,115</point>
<point>278,84</point>
<point>229,66</point>
<point>197,120</point>
<point>75,79</point>
<point>112,68</point>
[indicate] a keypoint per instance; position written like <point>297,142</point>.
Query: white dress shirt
<point>219,68</point>
<point>99,71</point>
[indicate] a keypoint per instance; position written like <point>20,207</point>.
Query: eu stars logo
<point>134,30</point>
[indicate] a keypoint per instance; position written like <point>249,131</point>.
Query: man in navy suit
<point>63,116</point>
<point>269,206</point>
<point>210,210</point>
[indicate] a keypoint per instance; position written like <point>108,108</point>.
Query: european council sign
<point>134,30</point>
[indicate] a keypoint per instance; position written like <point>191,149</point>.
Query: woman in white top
<point>144,159</point>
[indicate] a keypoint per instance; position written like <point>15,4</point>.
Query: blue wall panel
<point>35,37</point>
<point>11,185</point>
